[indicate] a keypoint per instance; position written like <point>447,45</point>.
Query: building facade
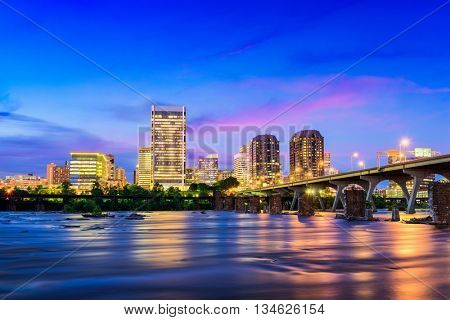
<point>224,174</point>
<point>168,145</point>
<point>191,176</point>
<point>144,168</point>
<point>86,168</point>
<point>306,155</point>
<point>57,174</point>
<point>23,181</point>
<point>265,166</point>
<point>208,169</point>
<point>241,166</point>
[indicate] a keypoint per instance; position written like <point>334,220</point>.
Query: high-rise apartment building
<point>241,166</point>
<point>208,168</point>
<point>57,174</point>
<point>111,167</point>
<point>86,168</point>
<point>168,145</point>
<point>265,168</point>
<point>306,155</point>
<point>144,168</point>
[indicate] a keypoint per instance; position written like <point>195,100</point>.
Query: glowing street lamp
<point>361,164</point>
<point>354,155</point>
<point>404,142</point>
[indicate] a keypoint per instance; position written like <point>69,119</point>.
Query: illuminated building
<point>208,169</point>
<point>144,168</point>
<point>191,176</point>
<point>120,177</point>
<point>86,168</point>
<point>111,167</point>
<point>57,174</point>
<point>241,166</point>
<point>23,181</point>
<point>327,167</point>
<point>265,167</point>
<point>168,145</point>
<point>224,174</point>
<point>396,156</point>
<point>306,155</point>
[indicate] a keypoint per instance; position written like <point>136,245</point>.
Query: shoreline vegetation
<point>171,199</point>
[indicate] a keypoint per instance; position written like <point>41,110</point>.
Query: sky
<point>82,76</point>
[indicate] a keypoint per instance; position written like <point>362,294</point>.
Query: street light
<point>362,164</point>
<point>354,155</point>
<point>404,142</point>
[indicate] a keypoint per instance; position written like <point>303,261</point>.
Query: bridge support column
<point>355,203</point>
<point>339,195</point>
<point>275,203</point>
<point>373,182</point>
<point>418,176</point>
<point>254,204</point>
<point>218,201</point>
<point>39,205</point>
<point>239,204</point>
<point>229,204</point>
<point>295,199</point>
<point>439,199</point>
<point>401,181</point>
<point>12,205</point>
<point>306,204</point>
<point>322,205</point>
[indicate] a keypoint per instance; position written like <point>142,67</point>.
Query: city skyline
<point>63,103</point>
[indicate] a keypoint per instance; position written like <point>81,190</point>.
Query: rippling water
<point>220,255</point>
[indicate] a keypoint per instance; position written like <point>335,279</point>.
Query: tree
<point>97,189</point>
<point>228,183</point>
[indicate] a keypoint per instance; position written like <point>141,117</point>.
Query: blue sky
<point>233,65</point>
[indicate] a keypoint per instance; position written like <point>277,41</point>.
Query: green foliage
<point>226,184</point>
<point>82,205</point>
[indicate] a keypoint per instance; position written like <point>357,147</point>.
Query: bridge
<point>411,170</point>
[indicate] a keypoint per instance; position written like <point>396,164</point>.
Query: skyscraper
<point>144,168</point>
<point>168,145</point>
<point>86,168</point>
<point>241,166</point>
<point>265,168</point>
<point>306,155</point>
<point>57,174</point>
<point>121,177</point>
<point>208,168</point>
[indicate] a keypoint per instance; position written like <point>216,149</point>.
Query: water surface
<point>219,255</point>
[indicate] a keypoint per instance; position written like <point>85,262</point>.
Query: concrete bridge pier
<point>418,176</point>
<point>339,195</point>
<point>401,181</point>
<point>254,204</point>
<point>39,205</point>
<point>295,197</point>
<point>12,205</point>
<point>239,204</point>
<point>229,204</point>
<point>218,201</point>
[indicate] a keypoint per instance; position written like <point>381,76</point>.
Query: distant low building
<point>224,174</point>
<point>57,174</point>
<point>23,181</point>
<point>191,176</point>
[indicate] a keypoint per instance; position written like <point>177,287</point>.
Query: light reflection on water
<point>218,255</point>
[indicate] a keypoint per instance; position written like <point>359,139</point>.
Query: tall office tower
<point>241,169</point>
<point>57,174</point>
<point>144,168</point>
<point>121,177</point>
<point>111,167</point>
<point>326,161</point>
<point>168,145</point>
<point>208,168</point>
<point>136,175</point>
<point>396,156</point>
<point>265,168</point>
<point>306,155</point>
<point>87,168</point>
<point>190,176</point>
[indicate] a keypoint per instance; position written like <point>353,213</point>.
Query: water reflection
<point>190,255</point>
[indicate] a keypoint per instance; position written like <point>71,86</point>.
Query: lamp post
<point>354,155</point>
<point>361,164</point>
<point>403,143</point>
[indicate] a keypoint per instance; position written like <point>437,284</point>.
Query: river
<point>219,255</point>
